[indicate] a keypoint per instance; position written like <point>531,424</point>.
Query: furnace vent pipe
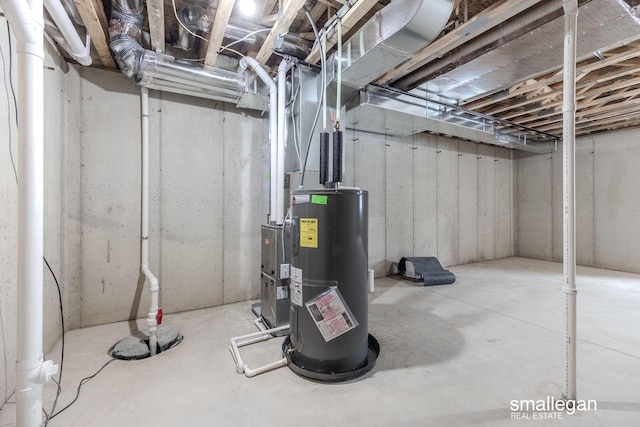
<point>75,47</point>
<point>245,63</point>
<point>282,92</point>
<point>26,22</point>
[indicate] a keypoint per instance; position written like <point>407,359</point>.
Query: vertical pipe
<point>324,158</point>
<point>282,92</point>
<point>246,62</point>
<point>339,82</point>
<point>337,156</point>
<point>152,321</point>
<point>569,204</point>
<point>25,19</point>
<point>324,93</point>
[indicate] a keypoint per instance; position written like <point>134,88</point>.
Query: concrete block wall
<point>432,196</point>
<point>607,203</point>
<point>205,200</point>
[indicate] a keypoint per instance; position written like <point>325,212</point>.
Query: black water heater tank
<point>329,340</point>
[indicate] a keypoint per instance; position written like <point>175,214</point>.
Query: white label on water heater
<point>330,313</point>
<point>296,285</point>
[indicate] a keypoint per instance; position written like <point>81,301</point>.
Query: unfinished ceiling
<point>498,57</point>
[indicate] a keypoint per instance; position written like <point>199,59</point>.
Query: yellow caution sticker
<point>308,232</point>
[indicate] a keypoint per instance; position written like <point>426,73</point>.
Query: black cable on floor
<point>82,382</point>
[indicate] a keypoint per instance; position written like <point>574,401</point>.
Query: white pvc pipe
<point>242,340</point>
<point>25,19</point>
<point>75,47</point>
<point>144,266</point>
<point>569,154</point>
<point>246,62</point>
<point>250,373</point>
<point>282,92</point>
<point>371,279</point>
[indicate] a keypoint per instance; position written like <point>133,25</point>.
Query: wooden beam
<point>489,18</point>
<point>220,22</point>
<point>155,12</point>
<point>95,21</point>
<point>316,12</point>
<point>268,6</point>
<point>290,10</point>
<point>349,20</point>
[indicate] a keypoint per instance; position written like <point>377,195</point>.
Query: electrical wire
<point>15,103</point>
<point>244,38</point>
<point>82,382</point>
<point>323,71</point>
<point>13,92</point>
<point>231,50</point>
<point>59,382</point>
<point>175,12</point>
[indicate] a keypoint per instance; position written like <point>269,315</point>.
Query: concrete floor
<point>451,355</point>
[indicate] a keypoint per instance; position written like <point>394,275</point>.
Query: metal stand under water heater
<point>328,319</point>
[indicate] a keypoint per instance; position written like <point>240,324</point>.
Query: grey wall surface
<point>428,196</point>
<point>55,147</point>
<point>432,196</point>
<point>607,203</point>
<point>205,200</point>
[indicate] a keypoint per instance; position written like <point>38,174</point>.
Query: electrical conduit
<point>26,21</point>
<point>153,317</point>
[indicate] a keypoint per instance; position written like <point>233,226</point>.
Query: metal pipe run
<point>569,204</point>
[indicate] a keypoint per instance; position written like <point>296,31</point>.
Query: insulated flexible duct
<point>160,71</point>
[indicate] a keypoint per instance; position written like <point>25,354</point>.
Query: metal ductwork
<point>289,44</point>
<point>390,37</point>
<point>195,20</point>
<point>493,62</point>
<point>160,71</point>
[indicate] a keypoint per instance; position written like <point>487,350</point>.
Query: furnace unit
<point>274,277</point>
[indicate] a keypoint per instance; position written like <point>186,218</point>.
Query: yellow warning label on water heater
<point>308,232</point>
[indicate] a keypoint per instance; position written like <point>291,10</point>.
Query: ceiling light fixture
<point>247,7</point>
